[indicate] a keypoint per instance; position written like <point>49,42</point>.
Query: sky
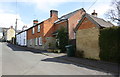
<point>28,10</point>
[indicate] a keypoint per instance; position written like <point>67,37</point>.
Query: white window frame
<point>40,40</point>
<point>33,30</point>
<point>39,27</point>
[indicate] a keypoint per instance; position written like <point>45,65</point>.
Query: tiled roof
<point>101,21</point>
<point>68,15</point>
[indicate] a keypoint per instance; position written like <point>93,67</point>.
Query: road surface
<point>17,61</point>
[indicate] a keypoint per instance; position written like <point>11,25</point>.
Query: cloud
<point>8,16</point>
<point>7,20</point>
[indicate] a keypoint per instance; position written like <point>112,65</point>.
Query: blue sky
<point>26,10</point>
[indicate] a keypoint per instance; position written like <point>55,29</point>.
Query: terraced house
<point>42,35</point>
<point>38,35</point>
<point>21,38</point>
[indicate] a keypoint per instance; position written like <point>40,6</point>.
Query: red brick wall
<point>36,34</point>
<point>59,24</point>
<point>86,24</point>
<point>73,21</point>
<point>48,25</point>
<point>45,30</point>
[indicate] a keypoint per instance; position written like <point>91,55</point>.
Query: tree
<point>62,39</point>
<point>114,13</point>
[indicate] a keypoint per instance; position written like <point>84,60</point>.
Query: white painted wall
<point>21,39</point>
<point>1,35</point>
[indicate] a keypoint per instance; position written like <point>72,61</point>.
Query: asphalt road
<point>17,61</point>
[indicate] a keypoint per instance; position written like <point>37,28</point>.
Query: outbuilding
<point>87,35</point>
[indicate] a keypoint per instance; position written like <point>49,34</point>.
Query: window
<point>24,41</point>
<point>40,40</point>
<point>38,28</point>
<point>36,41</point>
<point>33,30</point>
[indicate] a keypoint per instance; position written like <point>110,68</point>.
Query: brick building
<point>39,35</point>
<point>87,35</point>
<point>69,21</point>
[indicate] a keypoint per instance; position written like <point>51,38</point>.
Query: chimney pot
<point>94,13</point>
<point>35,22</point>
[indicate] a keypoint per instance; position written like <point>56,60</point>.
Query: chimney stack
<point>35,22</point>
<point>11,27</point>
<point>94,14</point>
<point>53,13</point>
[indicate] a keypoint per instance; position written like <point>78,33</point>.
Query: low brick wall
<point>41,47</point>
<point>50,43</point>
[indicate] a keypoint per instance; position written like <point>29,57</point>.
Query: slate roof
<point>100,23</point>
<point>67,16</point>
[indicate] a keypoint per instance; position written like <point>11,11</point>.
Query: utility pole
<point>16,26</point>
<point>15,30</point>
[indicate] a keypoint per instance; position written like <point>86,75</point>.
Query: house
<point>69,21</point>
<point>42,35</point>
<point>4,30</point>
<point>38,36</point>
<point>21,38</point>
<point>10,34</point>
<point>1,34</point>
<point>87,35</point>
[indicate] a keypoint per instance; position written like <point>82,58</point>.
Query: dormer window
<point>33,30</point>
<point>38,28</point>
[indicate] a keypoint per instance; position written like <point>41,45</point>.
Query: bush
<point>109,41</point>
<point>62,39</point>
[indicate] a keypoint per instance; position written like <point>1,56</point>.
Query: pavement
<point>108,67</point>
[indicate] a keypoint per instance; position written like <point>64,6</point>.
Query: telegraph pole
<point>16,26</point>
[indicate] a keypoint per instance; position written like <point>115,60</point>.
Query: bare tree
<point>114,13</point>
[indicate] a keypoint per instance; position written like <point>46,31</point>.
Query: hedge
<point>109,41</point>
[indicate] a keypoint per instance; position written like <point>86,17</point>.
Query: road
<point>17,61</point>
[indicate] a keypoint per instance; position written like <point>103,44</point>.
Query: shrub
<point>62,39</point>
<point>109,41</point>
